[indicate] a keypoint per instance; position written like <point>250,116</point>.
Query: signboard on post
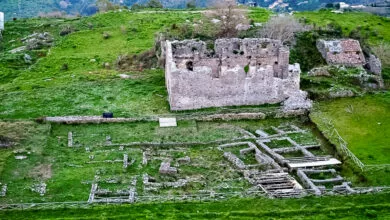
<point>1,21</point>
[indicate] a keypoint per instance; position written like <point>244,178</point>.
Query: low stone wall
<point>275,113</point>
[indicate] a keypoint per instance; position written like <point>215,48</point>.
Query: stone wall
<point>248,71</point>
<point>342,52</point>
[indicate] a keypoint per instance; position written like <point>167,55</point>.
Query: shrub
<point>230,16</point>
<point>154,4</point>
<point>382,50</point>
<point>282,28</point>
<point>371,213</point>
<point>147,59</point>
<point>305,51</point>
<point>65,67</point>
<point>67,29</point>
<point>191,4</point>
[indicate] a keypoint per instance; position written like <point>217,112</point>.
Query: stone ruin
<point>343,52</point>
<point>273,181</point>
<point>251,71</point>
<point>348,52</point>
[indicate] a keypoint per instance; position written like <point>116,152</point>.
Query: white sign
<point>167,122</point>
<point>1,21</point>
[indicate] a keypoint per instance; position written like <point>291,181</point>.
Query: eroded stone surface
<point>344,52</point>
<point>375,65</point>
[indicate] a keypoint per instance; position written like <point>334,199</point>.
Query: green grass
<point>377,28</point>
<point>86,88</point>
<point>259,14</point>
<point>69,173</point>
<point>43,89</point>
<point>348,207</point>
<point>363,122</point>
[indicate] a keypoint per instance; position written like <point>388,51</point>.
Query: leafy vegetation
<point>305,51</point>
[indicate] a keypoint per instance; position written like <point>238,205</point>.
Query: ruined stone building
<point>237,72</point>
<point>348,52</point>
<point>342,52</point>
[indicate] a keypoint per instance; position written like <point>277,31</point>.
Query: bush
<point>67,29</point>
<point>282,28</point>
<point>191,4</point>
<point>65,67</point>
<point>370,213</point>
<point>154,4</point>
<point>146,59</point>
<point>305,51</point>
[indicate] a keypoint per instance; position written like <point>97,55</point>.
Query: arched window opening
<point>190,66</point>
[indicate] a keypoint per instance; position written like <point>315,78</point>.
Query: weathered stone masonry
<point>248,71</point>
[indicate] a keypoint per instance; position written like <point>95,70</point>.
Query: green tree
<point>154,4</point>
<point>191,4</point>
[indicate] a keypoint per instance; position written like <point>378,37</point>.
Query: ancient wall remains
<point>237,72</point>
<point>342,52</point>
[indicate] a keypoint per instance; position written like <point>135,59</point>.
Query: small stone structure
<point>167,122</point>
<point>342,52</point>
<point>166,168</point>
<point>39,188</point>
<point>70,139</point>
<point>251,71</point>
<point>3,191</point>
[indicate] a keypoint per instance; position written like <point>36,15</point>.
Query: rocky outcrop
<point>298,100</point>
<point>342,52</point>
<point>38,40</point>
<point>374,65</point>
<point>319,71</point>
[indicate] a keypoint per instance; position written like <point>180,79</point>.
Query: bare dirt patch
<point>42,171</point>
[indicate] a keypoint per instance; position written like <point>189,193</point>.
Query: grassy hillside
<point>374,27</point>
<point>86,88</point>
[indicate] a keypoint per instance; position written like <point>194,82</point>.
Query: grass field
<point>363,122</point>
<point>375,27</point>
<point>68,172</point>
<point>349,207</point>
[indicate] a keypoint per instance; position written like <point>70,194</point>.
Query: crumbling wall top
<point>227,47</point>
